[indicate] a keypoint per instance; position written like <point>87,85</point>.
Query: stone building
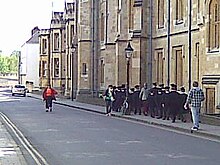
<point>186,46</point>
<point>71,62</point>
<point>44,53</point>
<point>56,50</point>
<point>174,41</point>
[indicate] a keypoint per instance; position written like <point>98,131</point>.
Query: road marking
<point>7,151</point>
<point>38,158</point>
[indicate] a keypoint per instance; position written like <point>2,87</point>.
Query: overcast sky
<point>19,17</point>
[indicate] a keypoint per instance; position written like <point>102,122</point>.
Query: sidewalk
<point>9,151</point>
<point>209,131</point>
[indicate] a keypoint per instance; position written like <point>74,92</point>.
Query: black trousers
<point>49,102</point>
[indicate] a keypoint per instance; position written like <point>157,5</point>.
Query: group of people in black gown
<point>161,102</point>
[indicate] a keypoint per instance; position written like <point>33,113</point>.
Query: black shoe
<point>173,121</point>
<point>145,114</point>
<point>152,116</point>
<point>164,118</point>
<point>159,117</point>
<point>47,111</point>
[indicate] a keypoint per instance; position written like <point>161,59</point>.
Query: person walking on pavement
<point>183,111</point>
<point>144,93</point>
<point>152,99</point>
<point>137,101</point>
<point>194,99</point>
<point>109,98</point>
<point>166,107</point>
<point>160,101</point>
<point>48,96</point>
<point>173,102</point>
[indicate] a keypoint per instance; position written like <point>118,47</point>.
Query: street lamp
<point>128,53</point>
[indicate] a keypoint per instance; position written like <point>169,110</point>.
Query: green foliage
<point>9,64</point>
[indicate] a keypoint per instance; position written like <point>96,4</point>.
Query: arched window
<point>214,25</point>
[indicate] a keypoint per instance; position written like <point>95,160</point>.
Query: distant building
<point>56,60</point>
<point>29,60</point>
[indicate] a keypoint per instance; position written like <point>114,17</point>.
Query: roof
<point>34,39</point>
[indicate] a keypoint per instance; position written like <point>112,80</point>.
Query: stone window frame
<point>102,28</point>
<point>197,56</point>
<point>102,71</point>
<point>160,14</point>
<point>119,8</point>
<point>84,69</point>
<point>175,61</point>
<point>56,67</point>
<point>159,65</point>
<point>214,27</point>
<point>131,14</point>
<point>44,46</point>
<point>44,68</point>
<point>56,41</point>
<point>179,12</point>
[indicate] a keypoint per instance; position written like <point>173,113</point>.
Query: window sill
<point>160,27</point>
<point>84,75</point>
<point>216,50</point>
<point>179,22</point>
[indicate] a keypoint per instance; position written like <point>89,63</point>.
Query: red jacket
<point>53,94</point>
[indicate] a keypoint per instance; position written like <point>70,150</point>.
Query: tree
<point>9,64</point>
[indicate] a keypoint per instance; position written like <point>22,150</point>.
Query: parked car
<point>19,90</point>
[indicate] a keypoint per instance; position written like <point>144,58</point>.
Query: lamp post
<point>128,53</point>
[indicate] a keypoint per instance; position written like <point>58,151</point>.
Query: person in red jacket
<point>48,96</point>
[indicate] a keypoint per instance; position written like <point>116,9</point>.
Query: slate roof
<point>34,39</point>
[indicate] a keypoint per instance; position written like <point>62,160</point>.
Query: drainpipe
<point>168,42</point>
<point>106,20</point>
<point>61,56</point>
<point>150,45</point>
<point>190,40</point>
<point>92,67</point>
<point>75,87</point>
<point>19,67</point>
<point>49,54</point>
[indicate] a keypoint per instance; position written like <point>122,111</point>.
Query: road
<point>69,136</point>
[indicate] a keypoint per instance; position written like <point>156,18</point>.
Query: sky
<point>19,17</point>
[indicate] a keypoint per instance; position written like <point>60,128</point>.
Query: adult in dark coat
<point>183,111</point>
<point>120,95</point>
<point>159,101</point>
<point>152,99</point>
<point>166,106</point>
<point>136,99</point>
<point>117,105</point>
<point>174,102</point>
<point>130,101</point>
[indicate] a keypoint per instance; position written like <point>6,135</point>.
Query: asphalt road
<point>70,136</point>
